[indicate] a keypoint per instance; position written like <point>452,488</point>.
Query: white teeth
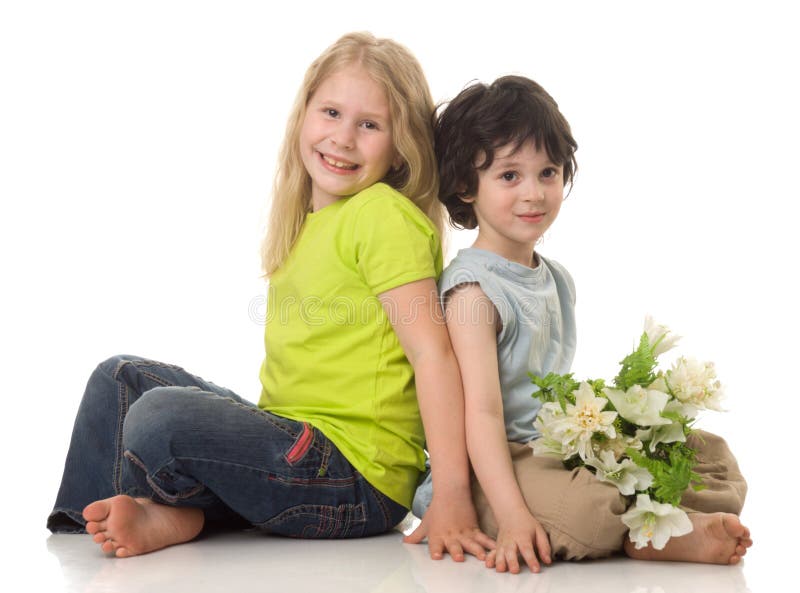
<point>339,164</point>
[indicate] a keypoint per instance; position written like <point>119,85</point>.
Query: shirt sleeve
<point>394,243</point>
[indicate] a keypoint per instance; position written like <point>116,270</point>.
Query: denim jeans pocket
<point>322,491</point>
<point>318,521</point>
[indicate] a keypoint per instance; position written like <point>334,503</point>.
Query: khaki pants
<point>581,514</point>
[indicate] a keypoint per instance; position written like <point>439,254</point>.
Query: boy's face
<point>518,198</point>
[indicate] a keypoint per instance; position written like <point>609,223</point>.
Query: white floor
<point>242,562</point>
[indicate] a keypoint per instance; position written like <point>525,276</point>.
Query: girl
<point>335,446</point>
<point>505,155</point>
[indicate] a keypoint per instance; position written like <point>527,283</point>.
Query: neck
<point>521,253</point>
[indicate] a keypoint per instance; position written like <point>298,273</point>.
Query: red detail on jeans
<point>302,444</point>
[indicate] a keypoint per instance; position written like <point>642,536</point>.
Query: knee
<point>111,365</point>
<point>156,417</point>
<point>103,389</point>
<point>588,524</point>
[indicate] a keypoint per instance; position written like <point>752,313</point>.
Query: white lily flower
<point>575,427</point>
<point>625,475</point>
<point>665,433</point>
<point>618,446</point>
<point>659,336</point>
<point>659,384</point>
<point>695,383</point>
<point>655,522</point>
<point>639,405</point>
<point>549,443</point>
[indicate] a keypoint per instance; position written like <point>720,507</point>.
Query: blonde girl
<point>357,357</point>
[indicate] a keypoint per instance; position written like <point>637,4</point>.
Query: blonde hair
<point>411,108</point>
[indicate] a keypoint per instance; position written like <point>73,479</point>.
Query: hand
<point>521,536</point>
<point>452,526</point>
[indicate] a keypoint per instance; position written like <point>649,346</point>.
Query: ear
<point>462,195</point>
<point>398,161</point>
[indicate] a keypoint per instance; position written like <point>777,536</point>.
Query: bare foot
<point>717,538</point>
<point>126,526</point>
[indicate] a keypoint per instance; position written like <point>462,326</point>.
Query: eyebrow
<point>366,114</point>
<point>513,160</point>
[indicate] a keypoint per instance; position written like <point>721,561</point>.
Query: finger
<point>543,547</point>
<point>416,536</point>
<point>491,559</point>
<point>473,547</point>
<point>484,540</point>
<point>455,550</point>
<point>501,564</point>
<point>529,555</point>
<point>512,559</point>
<point>436,549</point>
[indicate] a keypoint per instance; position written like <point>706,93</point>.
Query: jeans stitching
<point>320,481</point>
<point>332,521</point>
<point>161,381</point>
<point>122,410</point>
<point>123,402</point>
<point>268,416</point>
<point>171,498</point>
<point>301,445</point>
<point>379,497</point>
<point>326,457</point>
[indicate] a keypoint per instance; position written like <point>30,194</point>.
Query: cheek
<point>387,152</point>
<point>303,137</point>
<point>383,154</point>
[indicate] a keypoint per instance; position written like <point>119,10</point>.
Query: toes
<point>122,553</point>
<point>97,511</point>
<point>108,546</point>
<point>733,527</point>
<point>93,527</point>
<point>99,537</point>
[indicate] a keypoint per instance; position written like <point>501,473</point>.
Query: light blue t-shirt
<point>536,307</point>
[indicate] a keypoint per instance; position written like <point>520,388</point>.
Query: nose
<point>342,136</point>
<point>534,192</point>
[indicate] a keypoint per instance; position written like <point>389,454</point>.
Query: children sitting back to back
<point>505,155</point>
<point>335,446</point>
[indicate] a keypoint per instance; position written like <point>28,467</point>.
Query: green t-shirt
<point>332,357</point>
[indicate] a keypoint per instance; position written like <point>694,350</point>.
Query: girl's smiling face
<point>518,198</point>
<point>346,137</point>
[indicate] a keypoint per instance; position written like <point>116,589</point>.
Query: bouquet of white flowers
<point>633,433</point>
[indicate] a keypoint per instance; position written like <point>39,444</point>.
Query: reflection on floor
<point>248,561</point>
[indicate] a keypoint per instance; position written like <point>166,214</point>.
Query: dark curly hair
<point>482,118</point>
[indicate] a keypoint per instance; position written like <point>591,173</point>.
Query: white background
<point>138,142</point>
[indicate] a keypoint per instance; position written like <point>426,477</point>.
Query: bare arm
<point>450,523</point>
<point>473,334</point>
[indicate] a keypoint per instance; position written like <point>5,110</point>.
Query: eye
<point>550,172</point>
<point>369,125</point>
<point>509,176</point>
<point>331,112</point>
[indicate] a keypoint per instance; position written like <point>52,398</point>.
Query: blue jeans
<point>149,429</point>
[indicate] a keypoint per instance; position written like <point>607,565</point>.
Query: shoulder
<point>562,277</point>
<point>389,239</point>
<point>382,202</point>
<point>468,267</point>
